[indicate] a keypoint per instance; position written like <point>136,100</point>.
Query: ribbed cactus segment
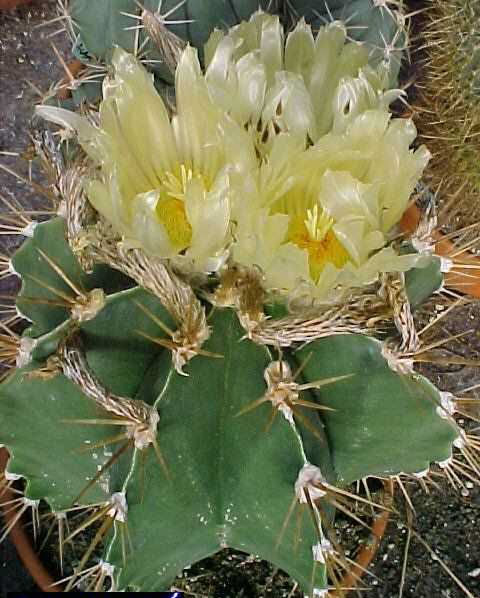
<point>232,483</point>
<point>39,278</point>
<point>42,296</point>
<point>43,447</point>
<point>120,331</point>
<point>421,283</point>
<point>102,26</point>
<point>382,423</point>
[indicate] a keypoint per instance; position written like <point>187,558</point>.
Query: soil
<point>446,520</point>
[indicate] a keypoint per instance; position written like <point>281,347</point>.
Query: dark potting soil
<point>447,521</point>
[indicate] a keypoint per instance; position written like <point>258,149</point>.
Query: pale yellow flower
<point>304,85</point>
<point>319,219</point>
<point>335,172</point>
<point>163,183</point>
<point>282,156</point>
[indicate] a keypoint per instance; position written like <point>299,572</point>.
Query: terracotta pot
<point>23,543</point>
<point>369,550</point>
<point>447,249</point>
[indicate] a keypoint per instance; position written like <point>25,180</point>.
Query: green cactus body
<point>237,489</point>
<point>105,27</point>
<point>231,482</point>
<point>221,334</point>
<point>360,421</point>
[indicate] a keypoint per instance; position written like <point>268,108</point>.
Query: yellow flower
<point>304,85</point>
<point>320,218</point>
<point>335,171</point>
<point>163,183</point>
<point>283,156</point>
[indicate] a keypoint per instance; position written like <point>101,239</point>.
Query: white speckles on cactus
<point>461,441</point>
<point>310,479</point>
<point>24,356</point>
<point>11,269</point>
<point>29,229</point>
<point>119,507</point>
<point>448,406</point>
<point>421,474</point>
<point>318,593</point>
<point>445,463</point>
<point>12,477</point>
<point>321,549</point>
<point>446,264</point>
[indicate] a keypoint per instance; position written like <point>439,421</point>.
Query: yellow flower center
<point>171,213</point>
<point>171,206</point>
<point>314,233</point>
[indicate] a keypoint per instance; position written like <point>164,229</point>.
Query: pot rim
<point>22,541</point>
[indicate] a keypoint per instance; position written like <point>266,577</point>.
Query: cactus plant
<point>243,500</point>
<point>447,114</point>
<point>188,419</point>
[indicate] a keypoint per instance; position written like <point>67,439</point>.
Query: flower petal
<point>271,45</point>
<point>144,135</point>
<point>146,229</point>
<point>288,268</point>
<point>209,216</point>
<point>252,86</point>
<point>289,104</point>
<point>196,123</point>
<point>258,236</point>
<point>300,50</point>
<point>68,120</point>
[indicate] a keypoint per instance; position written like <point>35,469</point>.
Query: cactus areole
<point>221,337</point>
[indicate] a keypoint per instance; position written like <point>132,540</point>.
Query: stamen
<point>314,233</point>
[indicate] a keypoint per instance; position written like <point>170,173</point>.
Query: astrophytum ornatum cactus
<point>221,311</point>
